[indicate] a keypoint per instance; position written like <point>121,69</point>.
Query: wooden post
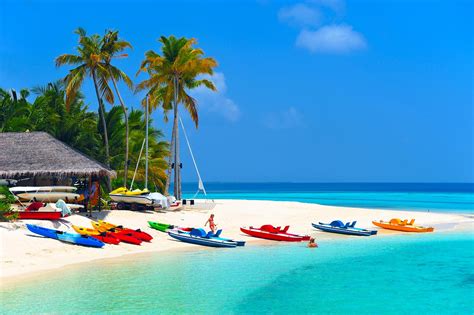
<point>99,200</point>
<point>89,196</point>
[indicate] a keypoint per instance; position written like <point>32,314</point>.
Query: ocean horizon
<point>437,197</point>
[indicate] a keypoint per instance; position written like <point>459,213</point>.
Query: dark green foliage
<point>81,128</point>
<point>6,199</point>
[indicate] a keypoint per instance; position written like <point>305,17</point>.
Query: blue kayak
<point>338,227</point>
<point>200,237</point>
<point>217,236</point>
<point>72,238</point>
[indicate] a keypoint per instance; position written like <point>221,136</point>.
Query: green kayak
<point>159,226</point>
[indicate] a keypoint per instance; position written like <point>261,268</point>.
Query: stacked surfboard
<point>45,193</point>
<point>40,202</point>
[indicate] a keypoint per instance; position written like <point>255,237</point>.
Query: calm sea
<point>411,274</point>
<point>440,197</point>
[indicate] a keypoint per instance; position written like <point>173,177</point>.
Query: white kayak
<point>52,196</point>
<point>140,199</point>
<point>33,189</point>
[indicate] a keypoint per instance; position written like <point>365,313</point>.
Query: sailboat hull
<point>140,199</point>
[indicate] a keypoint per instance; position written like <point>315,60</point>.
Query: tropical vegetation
<point>171,75</point>
<point>48,112</point>
<point>115,136</point>
<point>6,199</point>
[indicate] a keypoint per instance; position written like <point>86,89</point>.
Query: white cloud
<point>300,15</point>
<point>217,102</point>
<point>331,39</point>
<point>335,5</point>
<point>285,119</point>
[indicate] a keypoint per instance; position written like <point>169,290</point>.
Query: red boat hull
<point>285,237</point>
<point>126,238</point>
<point>108,238</point>
<point>39,215</point>
<point>137,234</point>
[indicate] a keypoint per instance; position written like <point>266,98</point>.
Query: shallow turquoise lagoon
<point>412,274</point>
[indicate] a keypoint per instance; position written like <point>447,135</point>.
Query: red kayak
<point>270,232</point>
<point>38,215</point>
<point>135,233</point>
<point>108,238</point>
<point>126,238</point>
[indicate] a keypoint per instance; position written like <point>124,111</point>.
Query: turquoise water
<point>418,197</point>
<point>412,274</point>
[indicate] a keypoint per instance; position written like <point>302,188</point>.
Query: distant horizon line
<point>291,182</point>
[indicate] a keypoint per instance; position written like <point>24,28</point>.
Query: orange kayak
<point>405,226</point>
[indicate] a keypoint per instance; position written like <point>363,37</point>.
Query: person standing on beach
<point>212,225</point>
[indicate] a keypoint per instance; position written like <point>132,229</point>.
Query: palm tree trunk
<point>170,161</point>
<point>177,169</point>
<point>104,126</point>
<point>124,108</point>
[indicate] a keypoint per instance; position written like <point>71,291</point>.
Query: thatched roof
<point>24,154</point>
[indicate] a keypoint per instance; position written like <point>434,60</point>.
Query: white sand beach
<point>24,253</point>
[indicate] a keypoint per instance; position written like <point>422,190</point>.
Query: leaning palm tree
<point>171,74</point>
<point>113,47</point>
<point>89,61</point>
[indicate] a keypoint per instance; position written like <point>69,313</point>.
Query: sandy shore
<point>22,253</point>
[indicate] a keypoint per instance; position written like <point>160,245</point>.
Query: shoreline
<point>37,256</point>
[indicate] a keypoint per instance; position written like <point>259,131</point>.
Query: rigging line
<point>138,162</point>
<point>200,184</point>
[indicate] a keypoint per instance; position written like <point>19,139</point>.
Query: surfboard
<point>48,196</point>
<point>33,189</point>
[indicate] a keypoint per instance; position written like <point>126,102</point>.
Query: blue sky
<point>309,91</point>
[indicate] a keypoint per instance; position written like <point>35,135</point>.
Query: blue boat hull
<point>346,231</point>
<point>65,236</point>
<point>212,242</point>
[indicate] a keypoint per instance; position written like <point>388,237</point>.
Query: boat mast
<point>146,144</point>
<point>200,183</point>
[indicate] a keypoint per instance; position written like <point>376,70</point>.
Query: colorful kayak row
<point>102,233</point>
<point>270,232</point>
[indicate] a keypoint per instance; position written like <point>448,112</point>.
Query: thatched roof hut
<point>31,154</point>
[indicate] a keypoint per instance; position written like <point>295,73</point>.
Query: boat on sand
<point>67,237</point>
<point>106,237</point>
<point>163,227</point>
<point>270,232</point>
<point>405,226</point>
<point>339,227</point>
<point>109,227</point>
<point>201,237</point>
<point>123,236</point>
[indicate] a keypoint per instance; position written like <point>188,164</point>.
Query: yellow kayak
<point>405,226</point>
<point>85,231</point>
<point>108,238</point>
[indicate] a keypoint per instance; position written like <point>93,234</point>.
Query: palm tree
<point>112,48</point>
<point>89,62</point>
<point>178,69</point>
<point>14,110</point>
<point>49,113</point>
